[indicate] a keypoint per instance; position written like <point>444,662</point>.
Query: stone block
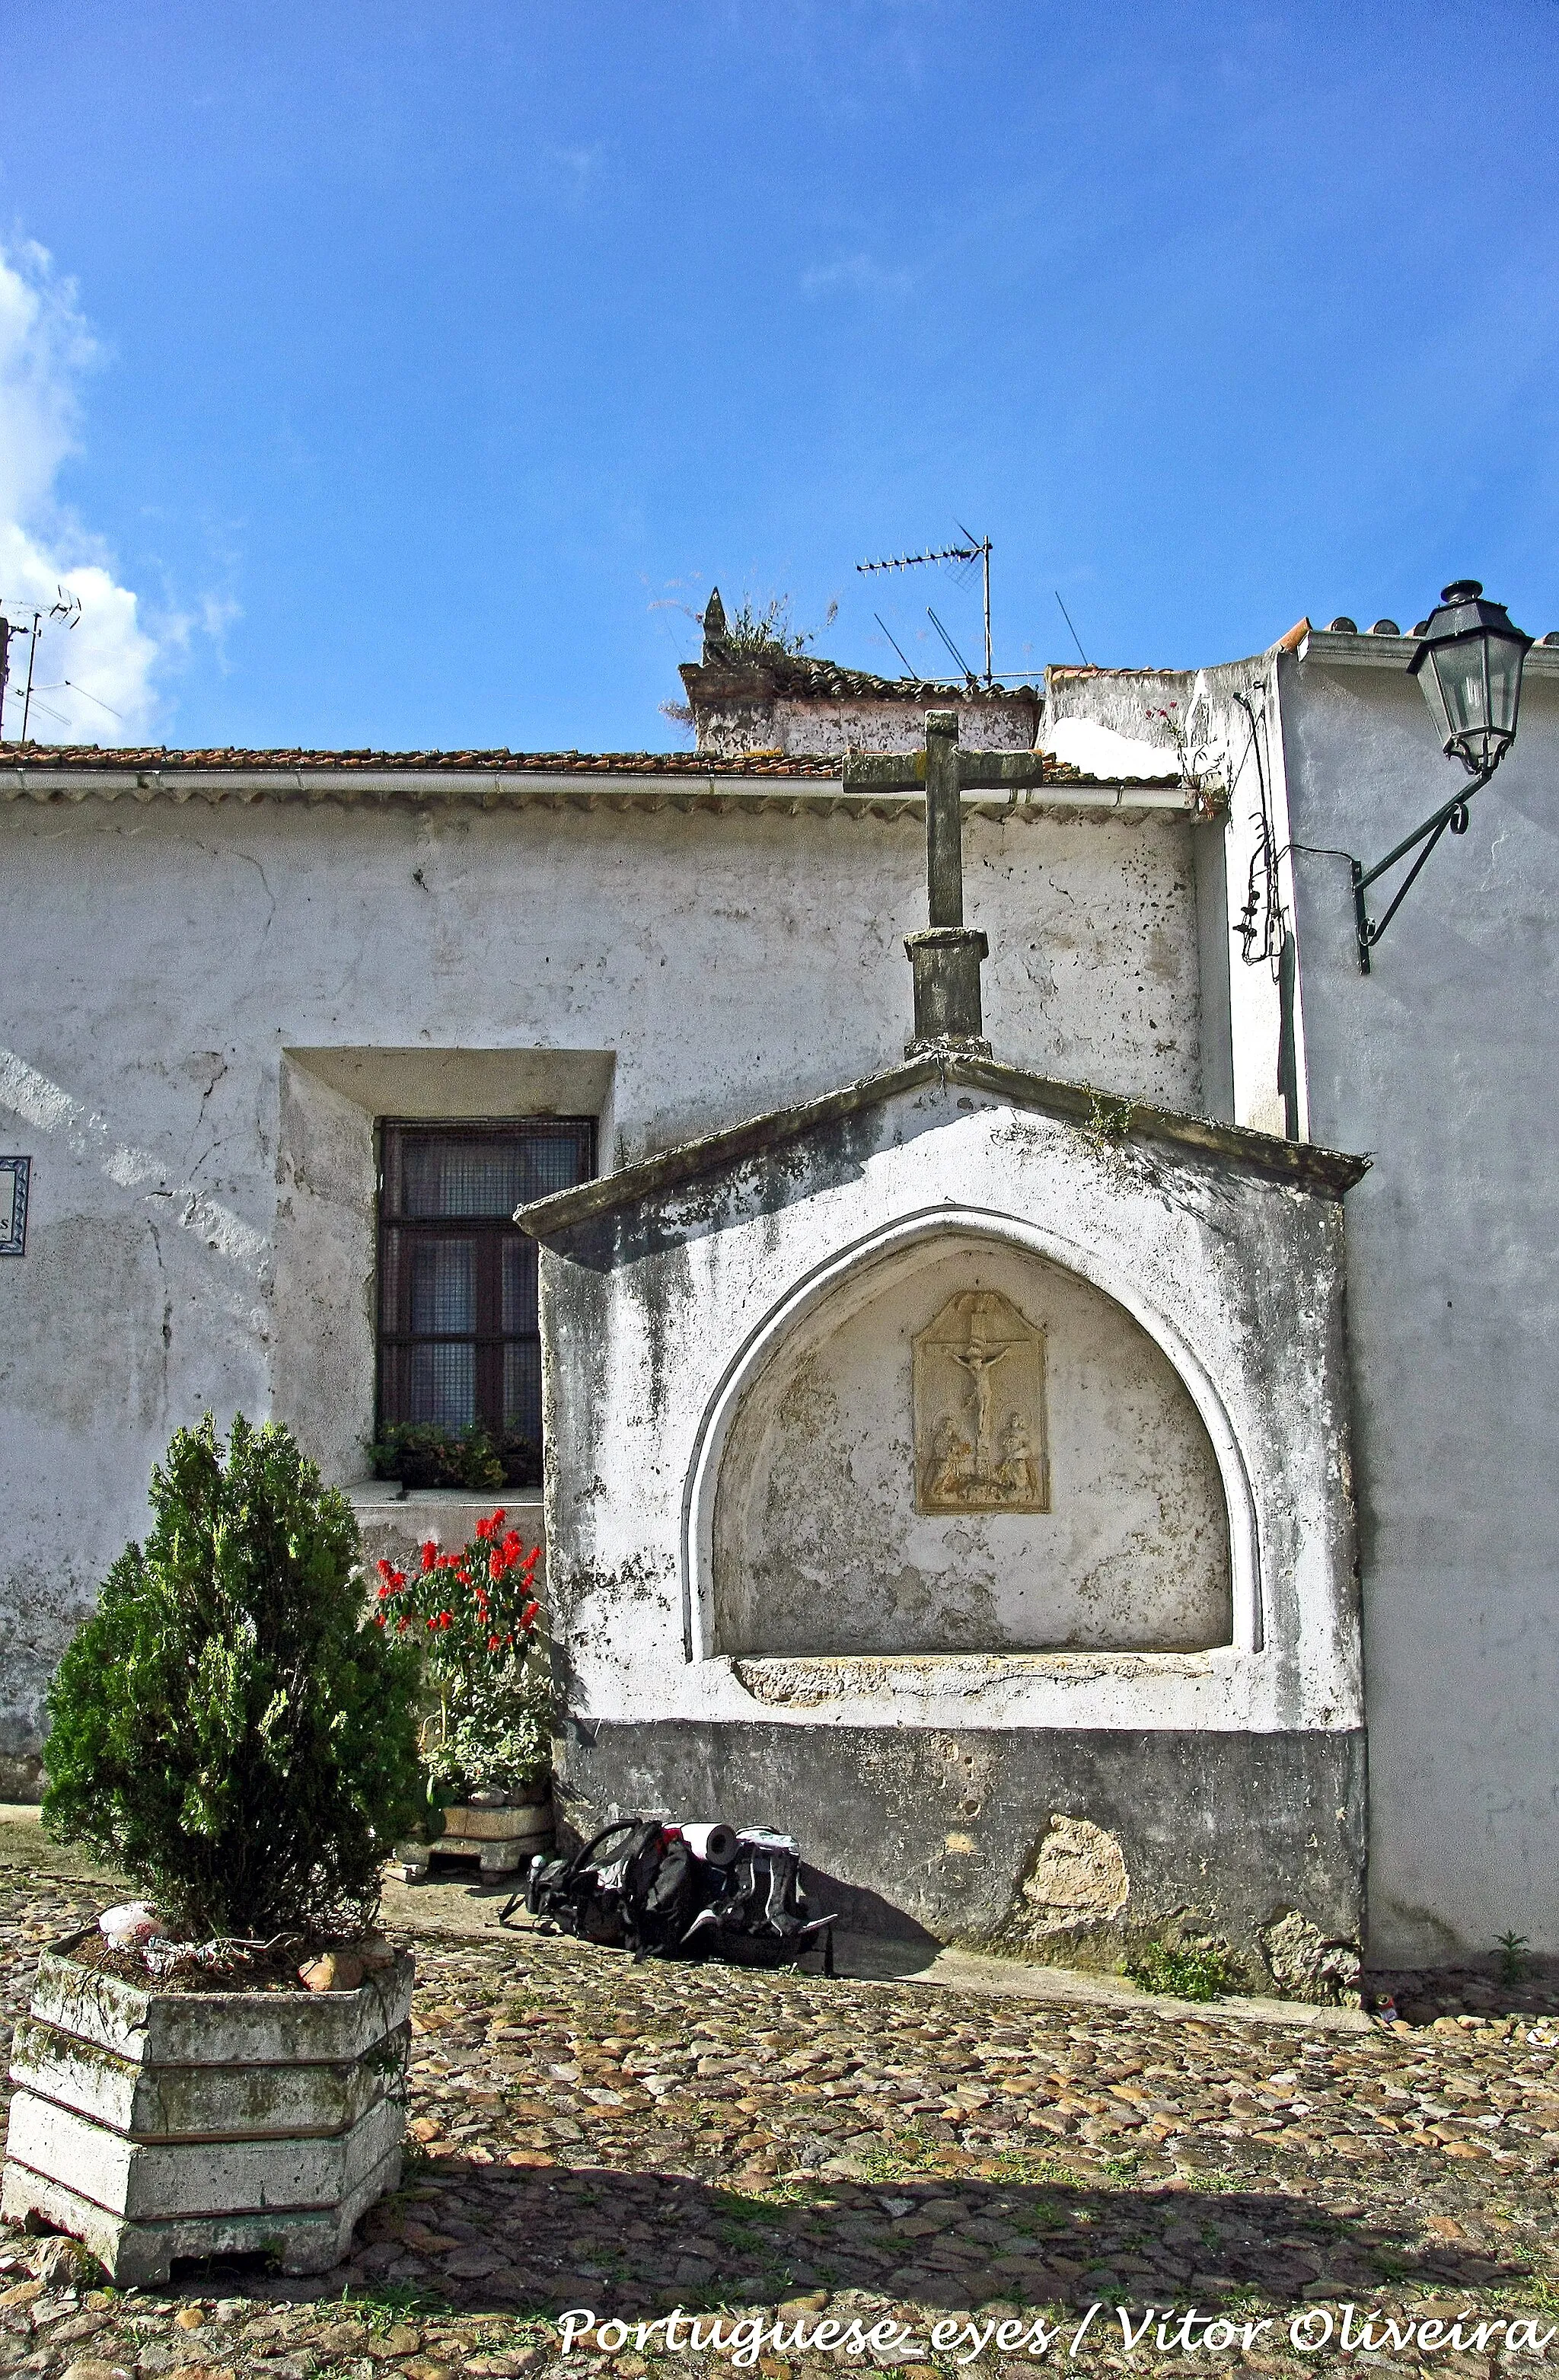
<point>467,1823</point>
<point>219,2028</point>
<point>193,2102</point>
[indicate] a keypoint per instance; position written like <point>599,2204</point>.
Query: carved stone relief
<point>979,1410</point>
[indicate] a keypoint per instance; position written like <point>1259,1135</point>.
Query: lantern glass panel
<point>1505,657</point>
<point>1429,686</point>
<point>1460,668</point>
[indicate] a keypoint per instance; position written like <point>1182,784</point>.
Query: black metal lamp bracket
<point>1452,814</point>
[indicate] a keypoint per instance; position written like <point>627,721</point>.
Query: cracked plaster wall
<point>819,1549</point>
<point>1230,1776</point>
<point>789,723</point>
<point>201,1232</point>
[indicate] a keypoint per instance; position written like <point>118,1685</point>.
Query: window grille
<point>459,1335</point>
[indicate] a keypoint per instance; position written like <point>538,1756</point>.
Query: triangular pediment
<point>1101,1116</point>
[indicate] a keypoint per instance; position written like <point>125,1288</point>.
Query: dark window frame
<point>393,1333</point>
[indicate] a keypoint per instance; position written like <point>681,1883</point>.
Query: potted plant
<point>487,1734</point>
<point>424,1454</point>
<point>219,2068</point>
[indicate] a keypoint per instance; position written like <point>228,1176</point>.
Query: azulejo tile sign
<point>979,1410</point>
<point>15,1172</point>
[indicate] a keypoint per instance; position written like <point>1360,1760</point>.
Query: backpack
<point>639,1885</point>
<point>760,1916</point>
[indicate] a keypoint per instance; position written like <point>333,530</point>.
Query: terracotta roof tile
<point>167,759</point>
<point>807,676</point>
<point>504,762</point>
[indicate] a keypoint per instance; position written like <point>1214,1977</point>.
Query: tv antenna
<point>67,609</point>
<point>974,549</point>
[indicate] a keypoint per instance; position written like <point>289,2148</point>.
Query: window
<point>459,1341</point>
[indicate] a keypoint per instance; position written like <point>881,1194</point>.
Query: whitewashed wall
<point>201,1223</point>
<point>1443,1063</point>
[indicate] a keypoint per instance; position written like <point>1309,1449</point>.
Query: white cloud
<point>46,349</point>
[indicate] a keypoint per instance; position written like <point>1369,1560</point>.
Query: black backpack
<point>759,1915</point>
<point>639,1885</point>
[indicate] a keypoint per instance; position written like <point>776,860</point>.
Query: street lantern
<point>1468,668</point>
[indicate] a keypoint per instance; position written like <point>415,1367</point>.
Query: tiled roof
<point>504,762</point>
<point>759,782</point>
<point>810,677</point>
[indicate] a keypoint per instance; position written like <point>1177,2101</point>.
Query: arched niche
<point>886,1485</point>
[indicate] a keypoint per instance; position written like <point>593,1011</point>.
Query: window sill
<point>388,1495</point>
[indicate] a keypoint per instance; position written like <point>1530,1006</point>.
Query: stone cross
<point>947,958</point>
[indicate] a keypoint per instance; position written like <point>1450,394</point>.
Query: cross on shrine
<point>946,958</point>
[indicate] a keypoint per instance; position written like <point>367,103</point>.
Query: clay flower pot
<point>153,2124</point>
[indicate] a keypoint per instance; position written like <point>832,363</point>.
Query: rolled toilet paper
<point>713,1841</point>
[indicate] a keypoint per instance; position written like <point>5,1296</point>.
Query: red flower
<point>528,1615</point>
<point>403,1623</point>
<point>379,1619</point>
<point>382,1567</point>
<point>490,1527</point>
<point>429,1555</point>
<point>495,1644</point>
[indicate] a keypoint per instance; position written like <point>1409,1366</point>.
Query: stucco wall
<point>834,728</point>
<point>201,1219</point>
<point>749,714</point>
<point>658,1321</point>
<point>1443,1063</point>
<point>662,1316</point>
<point>1222,727</point>
<point>818,1544</point>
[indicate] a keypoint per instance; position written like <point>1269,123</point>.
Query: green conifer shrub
<point>229,1728</point>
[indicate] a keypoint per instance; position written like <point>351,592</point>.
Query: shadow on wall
<point>1061,1847</point>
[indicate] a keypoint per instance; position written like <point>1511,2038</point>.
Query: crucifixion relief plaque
<point>979,1410</point>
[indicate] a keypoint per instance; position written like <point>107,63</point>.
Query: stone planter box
<point>151,2124</point>
<point>499,1839</point>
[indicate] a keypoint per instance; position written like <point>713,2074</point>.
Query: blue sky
<point>413,368</point>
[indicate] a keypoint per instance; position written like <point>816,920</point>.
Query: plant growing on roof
<point>755,632</point>
<point>228,1729</point>
<point>485,1669</point>
<point>1188,735</point>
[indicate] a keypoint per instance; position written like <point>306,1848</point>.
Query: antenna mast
<point>66,607</point>
<point>976,549</point>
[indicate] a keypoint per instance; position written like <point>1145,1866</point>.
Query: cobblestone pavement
<point>593,2134</point>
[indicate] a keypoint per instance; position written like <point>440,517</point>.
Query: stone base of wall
<point>21,1775</point>
<point>1065,1848</point>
